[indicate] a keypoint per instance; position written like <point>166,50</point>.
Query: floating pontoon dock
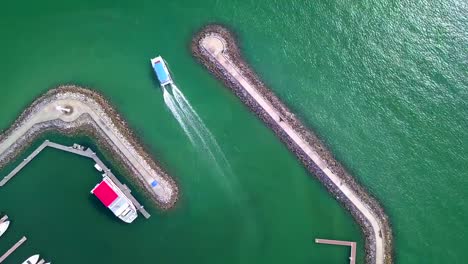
<point>12,249</point>
<point>23,164</point>
<point>352,258</point>
<point>78,150</point>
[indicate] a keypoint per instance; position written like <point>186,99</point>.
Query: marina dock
<point>352,258</point>
<point>23,164</point>
<point>12,249</point>
<point>78,150</point>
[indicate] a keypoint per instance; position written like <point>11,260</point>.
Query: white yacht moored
<point>32,260</point>
<point>3,227</point>
<point>114,199</point>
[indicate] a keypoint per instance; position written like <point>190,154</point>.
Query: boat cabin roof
<point>161,72</point>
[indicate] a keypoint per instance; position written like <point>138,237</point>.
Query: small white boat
<point>3,227</point>
<point>97,167</point>
<point>32,260</point>
<point>161,71</point>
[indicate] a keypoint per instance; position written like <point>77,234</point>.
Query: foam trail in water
<point>202,131</point>
<point>172,105</point>
<point>200,136</point>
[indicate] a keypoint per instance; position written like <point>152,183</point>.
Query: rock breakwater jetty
<point>215,47</point>
<point>71,109</point>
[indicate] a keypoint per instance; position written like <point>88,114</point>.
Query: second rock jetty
<point>215,47</point>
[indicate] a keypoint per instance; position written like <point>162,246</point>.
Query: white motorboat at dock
<point>3,227</point>
<point>32,260</point>
<point>114,199</point>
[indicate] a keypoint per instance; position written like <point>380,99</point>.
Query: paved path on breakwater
<point>51,111</point>
<point>215,46</point>
<point>85,153</point>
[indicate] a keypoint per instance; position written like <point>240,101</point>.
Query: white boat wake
<point>202,139</point>
<point>205,143</point>
<point>199,135</point>
<point>172,105</point>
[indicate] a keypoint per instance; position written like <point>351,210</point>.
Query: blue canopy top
<point>160,72</point>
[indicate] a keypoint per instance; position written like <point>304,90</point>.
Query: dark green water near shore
<point>384,84</point>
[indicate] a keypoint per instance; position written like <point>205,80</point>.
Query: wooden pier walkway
<point>352,258</point>
<point>85,153</point>
<point>23,164</point>
<point>12,249</point>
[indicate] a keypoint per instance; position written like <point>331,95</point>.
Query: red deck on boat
<point>105,193</point>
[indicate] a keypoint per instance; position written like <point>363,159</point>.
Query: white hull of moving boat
<point>161,71</point>
<point>32,260</point>
<point>3,227</point>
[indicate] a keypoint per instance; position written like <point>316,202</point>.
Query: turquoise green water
<point>384,84</point>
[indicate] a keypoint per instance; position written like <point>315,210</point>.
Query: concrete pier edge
<point>232,51</point>
<point>84,125</point>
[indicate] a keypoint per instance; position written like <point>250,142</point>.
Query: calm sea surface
<point>384,84</point>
